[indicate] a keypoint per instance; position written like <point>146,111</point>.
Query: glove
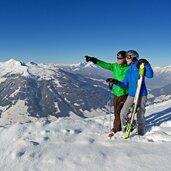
<point>111,80</point>
<point>91,59</point>
<point>140,61</point>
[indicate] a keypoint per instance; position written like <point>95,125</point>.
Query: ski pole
<point>110,88</point>
<point>109,106</point>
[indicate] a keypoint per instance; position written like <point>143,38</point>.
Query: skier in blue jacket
<point>130,81</point>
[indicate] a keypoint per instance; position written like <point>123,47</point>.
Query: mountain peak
<point>13,66</point>
<point>14,62</point>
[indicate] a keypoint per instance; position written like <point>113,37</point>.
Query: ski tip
<point>126,135</point>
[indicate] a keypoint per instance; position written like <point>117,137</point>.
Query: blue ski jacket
<point>131,79</point>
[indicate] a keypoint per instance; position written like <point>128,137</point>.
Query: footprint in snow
<point>44,132</point>
<point>46,138</point>
<point>78,131</point>
<point>17,153</point>
<point>34,143</point>
<point>72,131</point>
<point>91,140</point>
<point>86,140</point>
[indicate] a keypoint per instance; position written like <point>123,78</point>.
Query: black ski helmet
<point>121,54</point>
<point>132,54</point>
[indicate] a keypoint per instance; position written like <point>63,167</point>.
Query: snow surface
<point>69,144</point>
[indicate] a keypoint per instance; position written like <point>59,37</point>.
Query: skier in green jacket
<point>119,70</point>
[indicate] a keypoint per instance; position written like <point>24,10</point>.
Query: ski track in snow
<point>73,145</point>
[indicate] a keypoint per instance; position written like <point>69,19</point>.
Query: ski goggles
<point>128,57</point>
<point>119,58</point>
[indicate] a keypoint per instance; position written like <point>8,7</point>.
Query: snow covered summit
<point>12,67</point>
<point>38,90</point>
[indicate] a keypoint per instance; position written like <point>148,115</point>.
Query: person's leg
<point>140,115</point>
<point>124,112</point>
<point>118,104</point>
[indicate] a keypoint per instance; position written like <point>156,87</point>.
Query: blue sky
<point>63,31</point>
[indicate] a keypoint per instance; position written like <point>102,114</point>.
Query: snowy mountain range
<point>162,77</point>
<point>78,90</point>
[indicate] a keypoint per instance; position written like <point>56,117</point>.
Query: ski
<point>135,103</point>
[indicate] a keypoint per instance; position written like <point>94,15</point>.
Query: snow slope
<point>66,144</point>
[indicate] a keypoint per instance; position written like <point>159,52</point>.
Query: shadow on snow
<point>157,118</point>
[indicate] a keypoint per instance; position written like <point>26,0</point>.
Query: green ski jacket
<point>119,72</point>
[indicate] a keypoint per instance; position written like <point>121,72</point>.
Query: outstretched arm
<point>91,59</point>
<point>105,65</point>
